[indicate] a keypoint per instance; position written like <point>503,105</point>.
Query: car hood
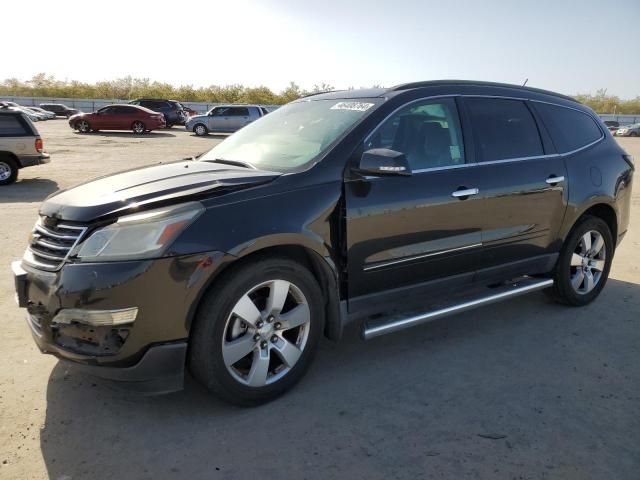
<point>148,187</point>
<point>197,117</point>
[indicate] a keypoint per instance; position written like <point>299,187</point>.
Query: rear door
<point>402,231</point>
<point>235,118</point>
<point>522,184</point>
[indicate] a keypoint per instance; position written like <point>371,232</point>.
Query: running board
<point>376,328</point>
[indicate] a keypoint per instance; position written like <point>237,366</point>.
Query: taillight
<point>39,145</point>
<point>629,160</point>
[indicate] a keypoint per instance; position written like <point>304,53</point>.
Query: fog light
<point>97,318</point>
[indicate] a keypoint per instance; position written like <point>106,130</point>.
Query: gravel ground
<point>520,390</point>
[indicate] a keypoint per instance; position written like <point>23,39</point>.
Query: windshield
<point>292,136</point>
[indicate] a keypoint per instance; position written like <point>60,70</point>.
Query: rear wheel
<point>255,335</point>
<point>200,130</point>
<point>584,263</point>
<point>83,126</point>
<point>8,170</point>
<point>138,127</point>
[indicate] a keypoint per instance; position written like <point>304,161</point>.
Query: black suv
<point>174,113</point>
<point>59,109</point>
<point>363,206</point>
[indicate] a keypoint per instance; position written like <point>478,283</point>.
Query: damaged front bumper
<point>125,321</point>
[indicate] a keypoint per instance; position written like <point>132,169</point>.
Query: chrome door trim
<point>490,162</point>
<point>418,257</point>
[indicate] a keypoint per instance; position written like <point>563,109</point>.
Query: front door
<point>402,231</point>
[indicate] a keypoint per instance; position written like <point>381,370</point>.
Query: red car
<point>118,117</point>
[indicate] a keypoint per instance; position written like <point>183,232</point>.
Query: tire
<point>83,126</point>
<point>169,125</point>
<point>8,171</point>
<point>582,269</point>
<point>633,134</point>
<point>212,353</point>
<point>200,130</point>
<point>138,127</point>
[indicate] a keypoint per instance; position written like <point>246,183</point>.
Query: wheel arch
<point>601,209</point>
<point>11,156</point>
<point>321,267</point>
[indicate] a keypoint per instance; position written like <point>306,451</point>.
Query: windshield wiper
<point>236,163</point>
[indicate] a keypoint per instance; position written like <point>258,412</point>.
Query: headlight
<point>141,235</point>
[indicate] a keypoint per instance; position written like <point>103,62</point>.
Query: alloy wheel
<point>588,262</point>
<point>200,130</point>
<point>266,333</point>
<point>138,127</point>
<point>5,171</point>
<point>83,126</point>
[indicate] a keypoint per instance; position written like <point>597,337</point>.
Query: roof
<point>382,92</point>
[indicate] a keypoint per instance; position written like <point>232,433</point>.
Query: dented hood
<point>147,187</point>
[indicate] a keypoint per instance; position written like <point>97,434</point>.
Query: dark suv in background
<point>174,112</point>
<point>387,207</point>
<point>59,109</point>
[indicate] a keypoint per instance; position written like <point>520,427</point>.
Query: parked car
<point>612,126</point>
<point>331,209</point>
<point>225,119</point>
<point>20,144</point>
<point>39,115</point>
<point>34,117</point>
<point>118,117</point>
<point>632,130</point>
<point>173,111</point>
<point>59,109</point>
<point>189,111</point>
<point>49,115</point>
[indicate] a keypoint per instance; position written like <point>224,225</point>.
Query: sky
<point>566,46</point>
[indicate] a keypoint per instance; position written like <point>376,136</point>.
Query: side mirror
<point>384,162</point>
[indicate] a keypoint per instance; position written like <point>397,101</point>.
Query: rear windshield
<point>294,136</point>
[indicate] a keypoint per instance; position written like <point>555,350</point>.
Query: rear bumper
<point>33,160</point>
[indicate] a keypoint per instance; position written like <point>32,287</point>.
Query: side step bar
<point>376,328</point>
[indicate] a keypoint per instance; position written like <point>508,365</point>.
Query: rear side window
<point>10,126</point>
<point>569,129</point>
<point>237,112</point>
<point>503,129</point>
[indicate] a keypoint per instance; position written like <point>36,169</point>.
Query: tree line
<point>127,88</point>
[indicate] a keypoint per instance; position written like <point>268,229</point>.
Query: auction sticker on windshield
<point>357,106</point>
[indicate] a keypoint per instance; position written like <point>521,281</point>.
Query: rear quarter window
<point>569,129</point>
<point>11,126</point>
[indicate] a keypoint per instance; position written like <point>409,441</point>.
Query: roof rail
<point>437,83</point>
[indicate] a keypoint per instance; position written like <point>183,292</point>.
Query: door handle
<point>463,193</point>
<point>552,180</point>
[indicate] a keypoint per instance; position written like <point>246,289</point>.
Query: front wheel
<point>83,126</point>
<point>633,134</point>
<point>256,332</point>
<point>584,263</point>
<point>200,130</point>
<point>138,127</point>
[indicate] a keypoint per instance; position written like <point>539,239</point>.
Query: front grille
<point>50,245</point>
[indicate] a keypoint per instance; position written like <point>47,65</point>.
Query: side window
<point>237,112</point>
<point>503,129</point>
<point>569,129</point>
<point>427,132</point>
<point>106,111</point>
<point>10,126</point>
